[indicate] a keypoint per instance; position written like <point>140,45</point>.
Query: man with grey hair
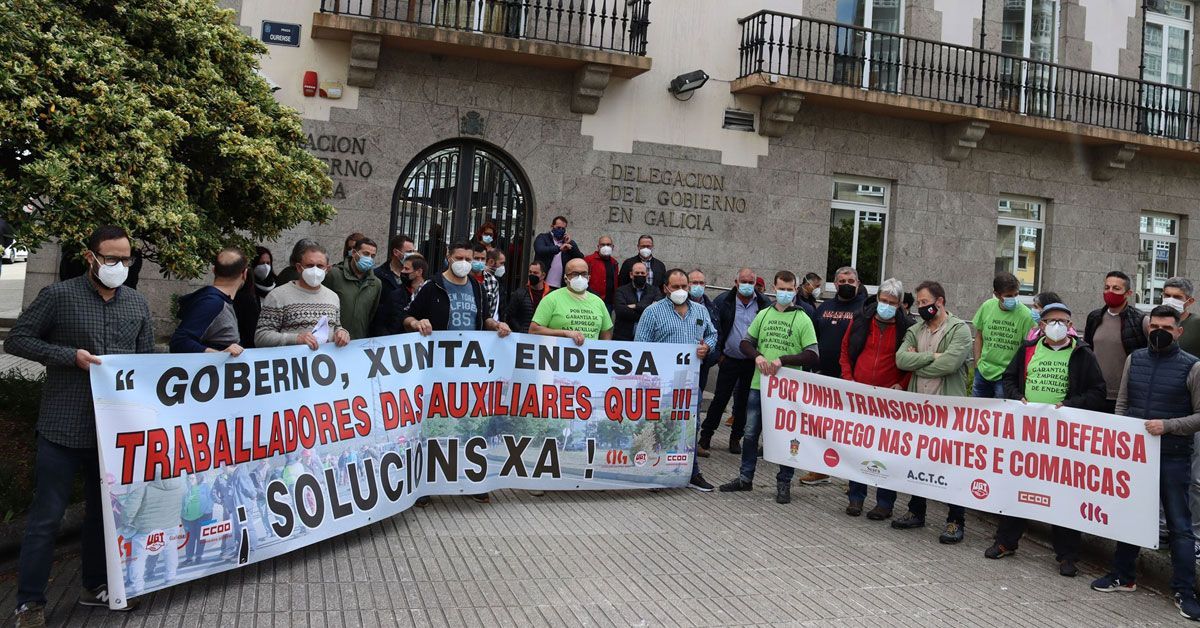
<point>868,356</point>
<point>833,318</point>
<point>302,312</point>
<point>289,273</point>
<point>1177,293</point>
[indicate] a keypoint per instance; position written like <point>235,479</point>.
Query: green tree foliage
<point>147,114</point>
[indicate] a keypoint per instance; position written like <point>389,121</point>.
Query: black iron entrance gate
<point>453,188</point>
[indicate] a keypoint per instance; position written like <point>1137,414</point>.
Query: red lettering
<point>359,406</point>
<point>129,443</point>
<point>157,462</point>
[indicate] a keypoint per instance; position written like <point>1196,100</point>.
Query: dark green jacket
<point>359,297</point>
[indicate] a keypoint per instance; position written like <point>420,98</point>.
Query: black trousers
<point>733,381</point>
<point>957,514</point>
<point>1065,540</point>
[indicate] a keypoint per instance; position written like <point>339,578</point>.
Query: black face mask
<point>1161,339</point>
<point>405,279</point>
<point>847,291</point>
<point>929,312</point>
<point>534,281</point>
<point>639,282</point>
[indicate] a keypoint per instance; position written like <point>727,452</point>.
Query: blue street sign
<point>280,34</point>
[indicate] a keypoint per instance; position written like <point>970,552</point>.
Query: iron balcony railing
<point>615,25</point>
<point>805,48</point>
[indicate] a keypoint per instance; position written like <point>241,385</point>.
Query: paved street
<point>629,558</point>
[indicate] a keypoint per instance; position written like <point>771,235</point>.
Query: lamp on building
<point>689,82</point>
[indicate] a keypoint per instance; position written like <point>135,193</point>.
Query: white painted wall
<point>685,35</point>
<point>286,65</point>
<point>1107,28</point>
<point>958,20</point>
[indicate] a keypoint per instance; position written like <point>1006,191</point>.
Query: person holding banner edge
<point>1056,368</point>
<point>936,353</point>
<point>1161,385</point>
<point>65,328</point>
<point>780,336</point>
<point>452,301</point>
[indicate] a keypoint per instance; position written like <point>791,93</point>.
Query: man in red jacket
<point>869,357</point>
<point>602,269</point>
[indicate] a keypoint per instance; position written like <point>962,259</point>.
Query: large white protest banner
<point>210,462</point>
<point>1093,472</point>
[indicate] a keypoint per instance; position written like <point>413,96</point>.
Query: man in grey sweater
<point>291,313</point>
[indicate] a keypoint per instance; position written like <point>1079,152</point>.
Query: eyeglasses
<point>112,260</point>
<point>574,275</point>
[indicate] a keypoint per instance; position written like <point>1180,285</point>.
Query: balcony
<point>595,39</point>
<point>789,59</point>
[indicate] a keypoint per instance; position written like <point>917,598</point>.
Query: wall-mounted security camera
<point>270,83</point>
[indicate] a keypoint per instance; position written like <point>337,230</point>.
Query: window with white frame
<point>1020,229</point>
<point>858,228</point>
<point>1158,256</point>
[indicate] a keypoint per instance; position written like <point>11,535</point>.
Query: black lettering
<point>282,529</point>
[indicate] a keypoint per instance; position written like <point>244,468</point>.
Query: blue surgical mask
<point>487,239</point>
<point>785,297</point>
<point>746,289</point>
<point>477,266</point>
<point>1009,303</point>
<point>696,292</point>
<point>885,311</point>
<point>366,263</point>
<point>1037,316</point>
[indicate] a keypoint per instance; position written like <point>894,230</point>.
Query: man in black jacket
<point>630,301</point>
<point>1115,331</point>
<point>736,309</point>
<point>1036,373</point>
<point>656,271</point>
<point>523,301</point>
<point>554,249</point>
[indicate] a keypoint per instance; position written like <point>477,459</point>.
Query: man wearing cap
<point>1055,367</point>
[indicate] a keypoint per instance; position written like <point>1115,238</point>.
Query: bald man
<point>571,311</point>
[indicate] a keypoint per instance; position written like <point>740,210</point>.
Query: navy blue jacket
<point>206,321</point>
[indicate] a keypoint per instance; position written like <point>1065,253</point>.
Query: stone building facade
<point>915,188</point>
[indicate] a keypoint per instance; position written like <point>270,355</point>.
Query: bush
<point>20,396</point>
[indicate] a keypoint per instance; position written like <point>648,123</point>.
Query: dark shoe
<point>813,479</point>
<point>1110,583</point>
<point>702,452</point>
<point>736,485</point>
<point>908,522</point>
<point>1066,568</point>
<point>423,501</point>
<point>483,498</point>
<point>952,534</point>
<point>735,446</point>
<point>783,492</point>
<point>99,597</point>
<point>698,483</point>
<point>30,615</point>
<point>997,551</point>
<point>879,513</point>
<point>1188,607</point>
<point>854,509</point>
<point>704,442</point>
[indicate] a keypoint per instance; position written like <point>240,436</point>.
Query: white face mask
<point>313,276</point>
<point>678,296</point>
<point>606,250</point>
<point>1176,304</point>
<point>578,284</point>
<point>1056,331</point>
<point>460,268</point>
<point>261,271</point>
<point>112,276</point>
<point>498,272</point>
<point>646,252</point>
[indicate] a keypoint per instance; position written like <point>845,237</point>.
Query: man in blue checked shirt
<point>679,319</point>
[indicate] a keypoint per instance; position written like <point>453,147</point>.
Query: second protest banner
<point>1088,471</point>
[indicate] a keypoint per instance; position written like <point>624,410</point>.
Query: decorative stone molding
<point>588,87</point>
<point>1107,160</point>
<point>472,124</point>
<point>961,137</point>
<point>364,59</point>
<point>778,112</point>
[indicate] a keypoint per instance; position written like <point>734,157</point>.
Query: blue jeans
<point>884,497</point>
<point>1174,478</point>
<point>54,470</point>
<point>750,441</point>
<point>985,389</point>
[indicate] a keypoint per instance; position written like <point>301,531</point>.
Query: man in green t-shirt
<point>780,336</point>
<point>571,311</point>
<point>1059,369</point>
<point>1001,325</point>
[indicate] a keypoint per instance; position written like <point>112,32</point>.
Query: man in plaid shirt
<point>65,328</point>
<point>679,319</point>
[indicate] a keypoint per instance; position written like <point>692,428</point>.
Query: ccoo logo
<point>980,489</point>
<point>832,458</point>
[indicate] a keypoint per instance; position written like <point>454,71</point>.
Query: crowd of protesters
<point>1124,361</point>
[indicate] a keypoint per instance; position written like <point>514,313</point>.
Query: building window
<point>1020,227</point>
<point>858,229</point>
<point>1166,59</point>
<point>1158,256</point>
<point>1029,30</point>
